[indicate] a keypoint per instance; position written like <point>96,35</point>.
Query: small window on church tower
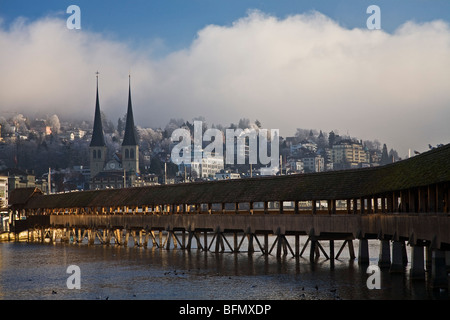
<point>99,154</point>
<point>94,154</point>
<point>127,153</point>
<point>131,153</point>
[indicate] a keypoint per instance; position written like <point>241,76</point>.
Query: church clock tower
<point>130,147</point>
<point>97,147</point>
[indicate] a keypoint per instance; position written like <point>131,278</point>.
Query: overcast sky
<point>292,66</point>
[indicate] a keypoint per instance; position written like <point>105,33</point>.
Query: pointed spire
<point>98,140</point>
<point>129,138</point>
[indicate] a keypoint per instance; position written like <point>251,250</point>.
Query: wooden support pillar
<point>375,204</point>
<point>205,240</point>
<point>251,247</point>
<point>332,253</point>
<point>141,239</point>
<point>330,206</point>
<point>282,244</point>
<point>355,205</point>
<point>349,206</point>
<point>385,254</point>
<point>174,238</point>
<point>266,207</point>
<point>235,242</point>
<point>166,243</point>
<point>428,258</point>
<point>446,197</point>
<point>397,258</point>
<point>395,204</point>
<point>351,249</point>
<point>266,243</point>
<point>431,198</point>
<point>423,201</point>
<point>412,200</point>
<point>405,202</point>
<point>209,208</point>
<point>314,206</point>
<point>417,271</point>
<point>190,236</point>
<point>363,252</point>
<point>281,206</point>
<point>312,249</point>
<point>439,278</point>
<point>183,239</point>
<point>369,205</point>
<point>118,236</point>
<point>236,208</point>
<point>362,205</point>
<point>439,197</point>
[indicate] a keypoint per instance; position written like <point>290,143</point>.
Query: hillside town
<point>50,151</point>
<point>58,156</point>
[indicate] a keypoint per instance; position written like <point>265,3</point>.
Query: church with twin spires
<point>122,169</point>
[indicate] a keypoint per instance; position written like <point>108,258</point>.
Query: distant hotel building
<point>3,193</point>
<point>207,167</point>
<point>314,164</point>
<point>349,154</point>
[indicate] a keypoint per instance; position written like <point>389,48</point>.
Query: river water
<point>38,271</point>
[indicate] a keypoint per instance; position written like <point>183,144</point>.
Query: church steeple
<point>97,148</point>
<point>98,139</point>
<point>130,147</point>
<point>129,138</point>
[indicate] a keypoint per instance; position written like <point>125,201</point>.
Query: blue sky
<point>290,64</point>
<point>176,22</point>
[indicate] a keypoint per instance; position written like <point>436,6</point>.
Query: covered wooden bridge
<point>404,201</point>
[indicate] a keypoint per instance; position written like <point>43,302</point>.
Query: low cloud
<point>302,71</point>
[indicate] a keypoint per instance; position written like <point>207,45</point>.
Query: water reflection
<point>38,271</point>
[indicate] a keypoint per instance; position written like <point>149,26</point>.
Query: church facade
<point>121,169</point>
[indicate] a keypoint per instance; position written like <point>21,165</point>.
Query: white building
<point>296,165</point>
<point>269,171</point>
<point>208,167</point>
<point>205,167</point>
<point>314,164</point>
<point>3,192</point>
<point>227,175</point>
<point>4,218</point>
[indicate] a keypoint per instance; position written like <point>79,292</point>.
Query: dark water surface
<point>32,271</point>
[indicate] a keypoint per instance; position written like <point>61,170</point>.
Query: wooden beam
<point>314,207</point>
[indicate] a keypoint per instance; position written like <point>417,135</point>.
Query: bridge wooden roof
<point>425,169</point>
<point>20,196</point>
